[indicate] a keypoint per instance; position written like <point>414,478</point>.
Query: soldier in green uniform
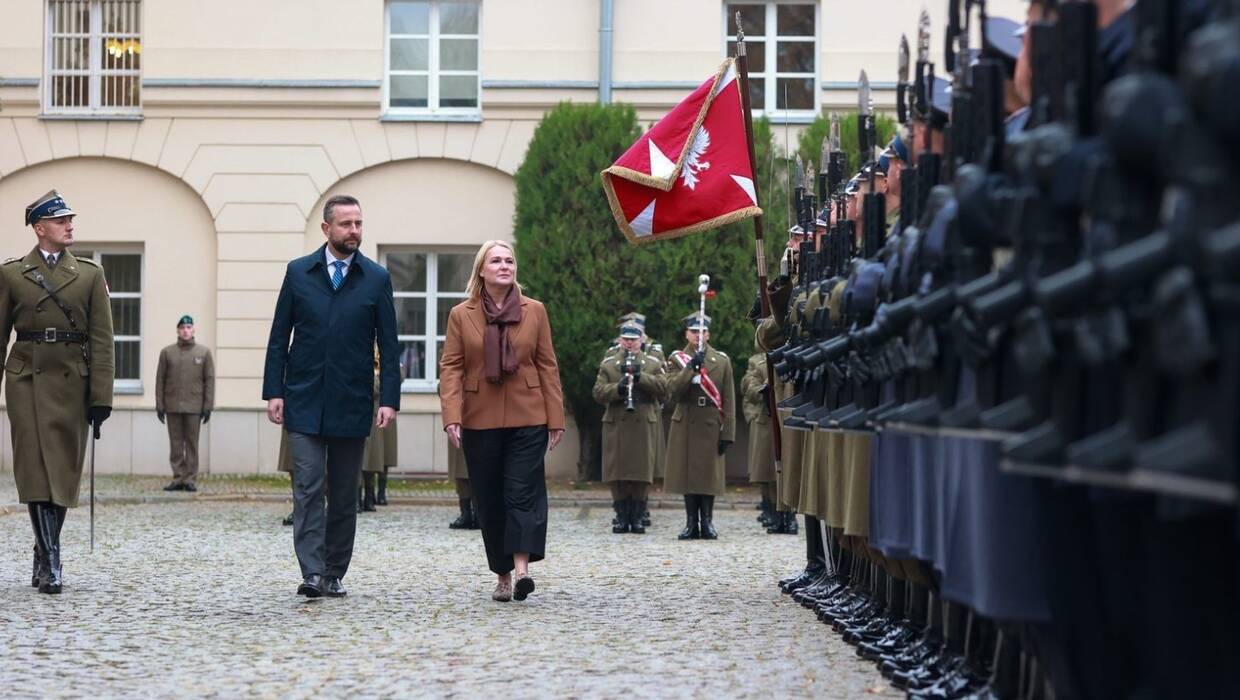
<point>630,384</point>
<point>702,429</point>
<point>761,451</point>
<point>184,398</point>
<point>655,350</point>
<point>60,372</point>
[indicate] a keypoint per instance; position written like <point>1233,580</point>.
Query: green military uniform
<point>59,374</point>
<point>761,451</point>
<point>788,483</point>
<point>51,385</point>
<point>700,432</point>
<point>630,438</point>
<point>184,399</point>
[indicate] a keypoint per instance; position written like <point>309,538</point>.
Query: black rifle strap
<point>40,280</point>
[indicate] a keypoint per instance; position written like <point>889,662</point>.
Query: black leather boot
<point>645,514</point>
<point>636,510</point>
<point>691,531</point>
<point>49,541</point>
<point>368,497</point>
<point>40,562</point>
<point>464,521</point>
<point>706,508</point>
<point>621,522</point>
<point>381,495</point>
<point>767,513</point>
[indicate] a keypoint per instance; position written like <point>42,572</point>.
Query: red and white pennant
<point>709,183</point>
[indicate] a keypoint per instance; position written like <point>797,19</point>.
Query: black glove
<point>206,416</point>
<point>97,415</point>
<point>161,415</point>
<point>698,359</point>
<point>622,387</point>
<point>780,295</point>
<point>723,446</point>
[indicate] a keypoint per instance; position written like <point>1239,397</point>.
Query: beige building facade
<point>198,142</point>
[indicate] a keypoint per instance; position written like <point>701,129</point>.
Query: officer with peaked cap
<point>630,383</point>
<point>59,373</point>
<point>184,398</point>
<point>703,426</point>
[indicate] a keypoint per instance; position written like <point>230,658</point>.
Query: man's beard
<point>345,247</point>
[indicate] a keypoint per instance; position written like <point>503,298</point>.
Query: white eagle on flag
<point>693,161</point>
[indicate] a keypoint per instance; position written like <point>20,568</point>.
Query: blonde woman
<point>502,404</point>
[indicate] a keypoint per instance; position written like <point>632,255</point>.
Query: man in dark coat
<point>336,304</point>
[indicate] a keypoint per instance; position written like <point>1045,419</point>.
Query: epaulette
<point>11,260</point>
<point>88,261</point>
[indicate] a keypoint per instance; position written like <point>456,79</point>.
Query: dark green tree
<point>809,143</point>
<point>572,256</point>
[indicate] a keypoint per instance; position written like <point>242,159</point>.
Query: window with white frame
<point>122,268</point>
<point>432,57</point>
<point>93,58</point>
<point>426,284</point>
<point>781,41</point>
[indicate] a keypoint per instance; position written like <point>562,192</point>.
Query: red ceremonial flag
<point>690,172</point>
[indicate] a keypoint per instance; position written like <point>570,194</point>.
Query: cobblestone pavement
<point>197,599</point>
<point>274,487</point>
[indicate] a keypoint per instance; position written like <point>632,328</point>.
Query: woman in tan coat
<point>502,404</point>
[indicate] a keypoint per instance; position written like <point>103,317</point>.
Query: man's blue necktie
<point>337,274</point>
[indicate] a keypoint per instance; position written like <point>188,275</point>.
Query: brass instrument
<point>630,361</point>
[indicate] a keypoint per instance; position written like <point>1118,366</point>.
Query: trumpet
<point>629,363</point>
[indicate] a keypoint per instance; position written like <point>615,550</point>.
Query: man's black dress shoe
<point>174,486</point>
<point>190,487</point>
<point>333,588</point>
<point>288,520</point>
<point>311,587</point>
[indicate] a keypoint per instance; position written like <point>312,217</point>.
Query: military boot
<point>368,497</point>
<point>621,522</point>
<point>790,528</point>
<point>706,509</point>
<point>39,570</point>
<point>49,541</point>
<point>691,531</point>
<point>636,509</point>
<point>779,523</point>
<point>464,521</point>
<point>381,495</point>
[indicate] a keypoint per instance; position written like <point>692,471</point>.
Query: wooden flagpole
<point>742,71</point>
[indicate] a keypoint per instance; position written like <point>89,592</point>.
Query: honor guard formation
<point>1008,365</point>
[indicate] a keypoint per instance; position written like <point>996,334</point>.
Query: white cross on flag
<point>690,172</point>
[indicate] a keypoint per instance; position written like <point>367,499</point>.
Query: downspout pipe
<point>607,11</point>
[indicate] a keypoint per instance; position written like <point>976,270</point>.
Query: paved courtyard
<point>196,598</point>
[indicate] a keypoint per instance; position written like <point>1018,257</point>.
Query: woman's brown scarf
<point>500,358</point>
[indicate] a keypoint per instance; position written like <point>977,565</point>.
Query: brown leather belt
<point>51,335</point>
